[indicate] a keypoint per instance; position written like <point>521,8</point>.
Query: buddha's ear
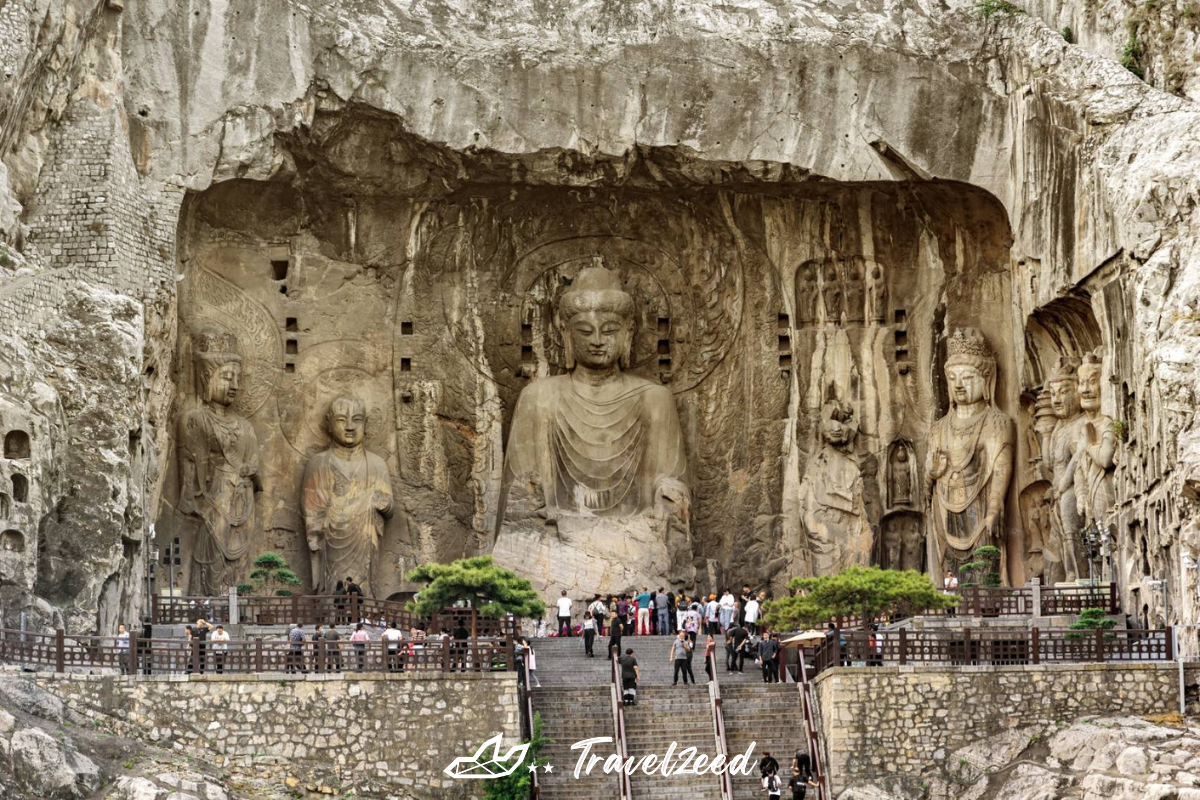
<point>568,345</point>
<point>625,345</point>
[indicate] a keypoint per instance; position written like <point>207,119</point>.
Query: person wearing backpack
<point>773,786</point>
<point>599,613</point>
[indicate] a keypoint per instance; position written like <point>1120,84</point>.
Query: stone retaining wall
<point>375,735</point>
<point>903,722</point>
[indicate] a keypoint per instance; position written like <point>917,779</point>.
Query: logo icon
<point>487,766</point>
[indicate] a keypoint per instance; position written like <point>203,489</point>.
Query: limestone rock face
<point>50,768</point>
<point>804,201</point>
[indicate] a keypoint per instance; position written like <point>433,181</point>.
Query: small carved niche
<point>901,341</point>
<point>664,326</point>
<point>784,333</point>
<point>20,488</point>
<point>5,506</point>
<point>280,256</point>
<point>12,541</point>
<point>292,325</point>
<point>406,329</point>
<point>16,444</point>
<point>406,365</point>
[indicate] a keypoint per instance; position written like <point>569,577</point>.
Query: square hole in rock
<point>406,329</point>
<point>406,365</point>
<point>291,347</point>
<point>279,269</point>
<point>292,324</point>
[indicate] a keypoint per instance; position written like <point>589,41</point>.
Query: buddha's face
<point>347,423</point>
<point>223,385</point>
<point>1064,399</point>
<point>597,338</point>
<point>1089,387</point>
<point>966,383</point>
<point>838,427</point>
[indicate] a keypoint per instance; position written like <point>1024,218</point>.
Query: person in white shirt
<point>220,646</point>
<point>726,605</point>
<point>752,616</point>
<point>712,614</point>
<point>564,614</point>
<point>394,637</point>
<point>123,648</point>
<point>599,612</point>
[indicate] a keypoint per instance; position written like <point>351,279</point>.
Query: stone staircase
<point>562,662</point>
<point>570,714</point>
<point>770,716</point>
<point>575,704</point>
<point>666,714</point>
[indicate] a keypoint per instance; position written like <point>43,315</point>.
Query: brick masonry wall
<point>898,722</point>
<point>374,735</point>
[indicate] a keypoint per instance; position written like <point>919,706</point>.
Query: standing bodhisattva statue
<point>218,467</point>
<point>1095,449</point>
<point>347,495</point>
<point>970,458</point>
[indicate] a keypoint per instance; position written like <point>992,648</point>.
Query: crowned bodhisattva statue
<point>218,467</point>
<point>347,496</point>
<point>970,459</point>
<point>595,472</point>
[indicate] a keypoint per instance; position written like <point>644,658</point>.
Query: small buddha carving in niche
<point>806,293</point>
<point>970,458</point>
<point>831,294</point>
<point>347,495</point>
<point>218,467</point>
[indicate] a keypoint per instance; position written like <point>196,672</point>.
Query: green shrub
<point>989,8</point>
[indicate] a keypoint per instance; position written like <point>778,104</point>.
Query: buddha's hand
<point>940,463</point>
<point>314,541</point>
<point>990,520</point>
<point>672,492</point>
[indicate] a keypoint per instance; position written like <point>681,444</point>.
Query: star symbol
<point>533,767</point>
<point>549,768</point>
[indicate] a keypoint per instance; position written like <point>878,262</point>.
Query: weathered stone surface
<point>51,768</point>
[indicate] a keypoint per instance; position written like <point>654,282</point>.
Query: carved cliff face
<point>1064,399</point>
<point>1089,387</point>
<point>347,423</point>
<point>597,338</point>
<point>966,383</point>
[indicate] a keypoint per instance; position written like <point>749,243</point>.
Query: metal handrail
<point>810,725</point>
<point>718,713</point>
<point>534,789</point>
<point>619,724</point>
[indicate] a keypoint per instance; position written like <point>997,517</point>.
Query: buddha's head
<point>970,368</point>
<point>218,366</point>
<point>347,420</point>
<point>1089,382</point>
<point>838,423</point>
<point>595,319</point>
<point>1064,399</point>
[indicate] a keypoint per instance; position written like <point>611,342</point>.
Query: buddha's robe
<point>980,452</point>
<point>346,501</point>
<point>594,450</point>
<point>218,461</point>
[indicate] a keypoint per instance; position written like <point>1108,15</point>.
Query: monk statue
<point>218,467</point>
<point>1095,449</point>
<point>970,459</point>
<point>347,495</point>
<point>1059,464</point>
<point>596,454</point>
<point>831,496</point>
